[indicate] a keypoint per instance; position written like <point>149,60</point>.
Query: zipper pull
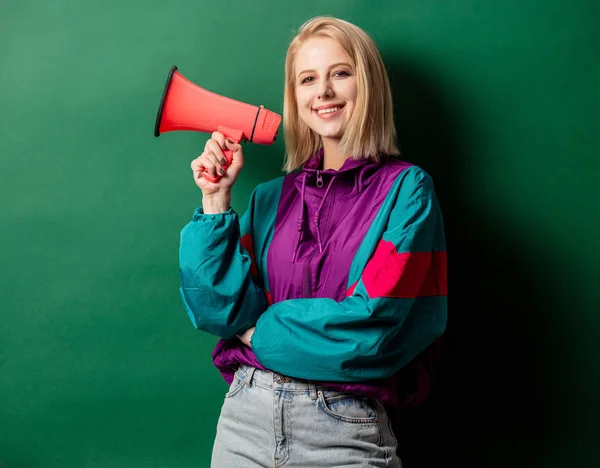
<point>319,179</point>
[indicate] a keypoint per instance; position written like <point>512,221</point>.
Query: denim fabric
<point>269,420</point>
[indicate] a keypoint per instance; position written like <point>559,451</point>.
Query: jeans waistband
<point>275,381</point>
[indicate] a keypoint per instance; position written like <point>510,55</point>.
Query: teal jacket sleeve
<point>219,292</point>
<point>395,310</point>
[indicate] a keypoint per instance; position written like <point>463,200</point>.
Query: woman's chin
<point>329,133</point>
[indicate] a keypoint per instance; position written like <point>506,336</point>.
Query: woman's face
<point>325,87</point>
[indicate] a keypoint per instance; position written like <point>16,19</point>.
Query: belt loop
<point>313,390</point>
<point>250,376</point>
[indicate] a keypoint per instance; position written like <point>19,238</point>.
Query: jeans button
<point>279,379</point>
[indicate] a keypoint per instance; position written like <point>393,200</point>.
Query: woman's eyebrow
<point>332,66</point>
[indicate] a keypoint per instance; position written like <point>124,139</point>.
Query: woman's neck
<point>332,158</point>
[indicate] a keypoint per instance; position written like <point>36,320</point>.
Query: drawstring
<point>300,222</point>
<point>318,214</point>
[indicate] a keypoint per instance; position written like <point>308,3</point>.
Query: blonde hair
<point>370,132</point>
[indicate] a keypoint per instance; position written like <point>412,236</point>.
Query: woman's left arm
<point>394,311</point>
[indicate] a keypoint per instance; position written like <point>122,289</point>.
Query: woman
<point>333,281</point>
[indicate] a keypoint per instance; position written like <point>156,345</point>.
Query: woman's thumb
<point>236,150</point>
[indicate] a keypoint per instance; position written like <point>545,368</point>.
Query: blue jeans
<point>269,420</point>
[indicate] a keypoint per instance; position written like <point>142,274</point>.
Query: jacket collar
<point>355,172</point>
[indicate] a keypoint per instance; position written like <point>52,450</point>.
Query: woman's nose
<point>324,90</point>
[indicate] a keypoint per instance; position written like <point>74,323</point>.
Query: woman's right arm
<point>217,286</point>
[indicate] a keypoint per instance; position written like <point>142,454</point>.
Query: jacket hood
<point>357,173</point>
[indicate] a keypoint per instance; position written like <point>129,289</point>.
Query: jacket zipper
<point>307,275</point>
<point>319,179</point>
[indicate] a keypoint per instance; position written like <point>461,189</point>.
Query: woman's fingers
<point>215,147</point>
<point>208,162</point>
<point>214,162</point>
<point>219,138</point>
<point>237,160</point>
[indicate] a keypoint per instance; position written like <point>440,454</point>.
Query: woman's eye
<point>310,79</point>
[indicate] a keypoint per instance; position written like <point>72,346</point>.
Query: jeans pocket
<point>347,407</point>
<point>236,385</point>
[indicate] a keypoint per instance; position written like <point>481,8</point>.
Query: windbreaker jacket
<point>343,273</point>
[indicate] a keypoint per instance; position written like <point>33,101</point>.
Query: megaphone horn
<point>186,106</point>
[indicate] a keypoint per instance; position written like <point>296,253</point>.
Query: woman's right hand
<point>216,195</point>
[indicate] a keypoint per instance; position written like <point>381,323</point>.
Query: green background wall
<point>499,101</point>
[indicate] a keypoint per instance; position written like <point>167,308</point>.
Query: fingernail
<point>229,141</point>
<point>224,145</point>
<point>223,161</point>
<point>221,171</point>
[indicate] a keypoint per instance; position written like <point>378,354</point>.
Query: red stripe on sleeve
<point>247,244</point>
<point>406,274</point>
<point>436,280</point>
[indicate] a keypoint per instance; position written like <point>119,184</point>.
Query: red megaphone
<point>186,106</point>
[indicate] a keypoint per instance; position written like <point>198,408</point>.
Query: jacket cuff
<point>200,216</point>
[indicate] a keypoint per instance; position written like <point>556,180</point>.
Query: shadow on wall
<point>487,407</point>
